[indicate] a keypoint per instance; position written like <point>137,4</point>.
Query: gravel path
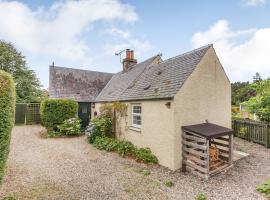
<point>70,168</point>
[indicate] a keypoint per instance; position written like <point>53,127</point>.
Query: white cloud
<point>123,39</point>
<point>57,31</point>
<point>242,52</point>
<point>254,2</point>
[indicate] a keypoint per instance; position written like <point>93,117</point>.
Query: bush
<point>7,108</point>
<point>105,143</point>
<point>125,148</point>
<point>70,127</point>
<point>145,155</point>
<point>99,127</point>
<point>55,111</point>
<point>264,188</point>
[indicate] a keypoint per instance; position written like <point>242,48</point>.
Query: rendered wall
<point>206,95</point>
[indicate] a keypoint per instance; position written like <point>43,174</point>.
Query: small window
<point>136,115</point>
<point>84,109</point>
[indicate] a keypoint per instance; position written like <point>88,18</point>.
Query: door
<point>84,113</point>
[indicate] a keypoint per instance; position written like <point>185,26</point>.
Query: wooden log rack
<point>207,149</point>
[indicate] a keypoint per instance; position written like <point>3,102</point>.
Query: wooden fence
<point>27,113</point>
<point>254,131</point>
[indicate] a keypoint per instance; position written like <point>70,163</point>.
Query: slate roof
<point>81,85</point>
<point>148,80</point>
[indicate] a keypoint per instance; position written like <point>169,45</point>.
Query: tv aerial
<point>120,54</point>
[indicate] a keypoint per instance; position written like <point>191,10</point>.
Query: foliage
<point>241,91</point>
<point>105,143</point>
<point>7,107</point>
<point>257,78</point>
<point>145,155</point>
<point>260,104</point>
<point>99,127</point>
<point>201,196</point>
<point>55,111</point>
<point>125,148</point>
<point>264,188</point>
<point>70,126</point>
<point>168,183</point>
<point>113,109</point>
<point>242,132</point>
<point>28,87</point>
<point>116,111</point>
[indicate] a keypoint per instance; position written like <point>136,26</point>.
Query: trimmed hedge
<point>55,111</point>
<point>7,109</point>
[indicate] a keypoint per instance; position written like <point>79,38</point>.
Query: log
<point>195,152</point>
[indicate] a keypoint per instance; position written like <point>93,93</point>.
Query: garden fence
<point>27,113</point>
<point>254,131</point>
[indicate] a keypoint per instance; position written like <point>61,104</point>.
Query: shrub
<point>105,143</point>
<point>7,107</point>
<point>126,148</point>
<point>264,188</point>
<point>99,127</point>
<point>70,127</point>
<point>55,111</point>
<point>145,155</point>
<point>201,196</point>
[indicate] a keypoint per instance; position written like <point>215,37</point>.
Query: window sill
<point>135,129</point>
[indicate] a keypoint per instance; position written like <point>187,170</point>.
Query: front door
<point>84,113</point>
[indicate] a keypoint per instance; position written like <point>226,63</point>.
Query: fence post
<point>267,144</point>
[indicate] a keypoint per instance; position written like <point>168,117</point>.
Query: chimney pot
<point>129,60</point>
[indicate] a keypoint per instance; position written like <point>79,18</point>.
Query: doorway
<point>84,113</point>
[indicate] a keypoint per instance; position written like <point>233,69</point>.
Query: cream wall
<point>157,130</point>
<point>206,95</point>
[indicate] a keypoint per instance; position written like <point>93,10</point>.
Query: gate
<point>20,113</point>
<point>27,113</point>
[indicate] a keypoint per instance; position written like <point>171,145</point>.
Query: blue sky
<point>86,34</point>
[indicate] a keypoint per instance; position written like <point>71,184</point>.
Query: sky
<point>86,34</point>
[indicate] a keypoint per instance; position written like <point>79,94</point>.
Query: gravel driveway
<point>70,168</point>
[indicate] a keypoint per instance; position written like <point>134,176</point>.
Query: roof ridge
<point>153,57</point>
<point>80,69</point>
<point>189,52</point>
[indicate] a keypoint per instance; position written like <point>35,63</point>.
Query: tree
<point>257,78</point>
<point>28,87</point>
<point>241,91</point>
<point>260,105</point>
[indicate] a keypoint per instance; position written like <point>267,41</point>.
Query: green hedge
<point>55,111</point>
<point>7,108</point>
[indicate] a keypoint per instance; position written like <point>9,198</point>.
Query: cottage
<point>81,85</point>
<point>163,96</point>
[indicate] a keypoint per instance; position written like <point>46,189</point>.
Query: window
<point>84,109</point>
<point>136,116</point>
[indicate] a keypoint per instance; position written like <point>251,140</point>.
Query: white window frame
<point>136,114</point>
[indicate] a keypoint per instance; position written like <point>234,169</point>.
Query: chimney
<point>129,60</point>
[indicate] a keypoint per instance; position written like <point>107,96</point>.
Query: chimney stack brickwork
<point>129,60</point>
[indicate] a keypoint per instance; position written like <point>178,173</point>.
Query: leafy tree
<point>28,87</point>
<point>257,78</point>
<point>241,91</point>
<point>260,105</point>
